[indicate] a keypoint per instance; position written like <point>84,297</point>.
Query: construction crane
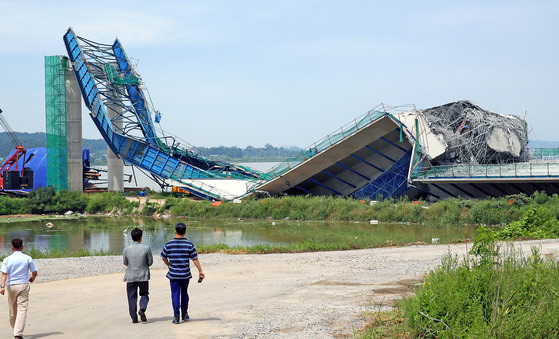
<point>10,174</point>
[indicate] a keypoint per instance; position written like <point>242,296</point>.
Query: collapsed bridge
<point>454,150</point>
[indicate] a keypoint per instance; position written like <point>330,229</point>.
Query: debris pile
<point>476,136</point>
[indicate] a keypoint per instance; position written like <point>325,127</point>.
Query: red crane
<point>12,161</point>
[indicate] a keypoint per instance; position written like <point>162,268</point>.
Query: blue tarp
<point>35,160</point>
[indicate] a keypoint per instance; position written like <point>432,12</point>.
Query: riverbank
<point>302,295</point>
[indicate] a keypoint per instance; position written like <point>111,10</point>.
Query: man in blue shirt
<point>177,254</point>
<point>15,274</point>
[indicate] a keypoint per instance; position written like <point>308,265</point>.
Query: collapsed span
<point>473,135</point>
<point>453,150</point>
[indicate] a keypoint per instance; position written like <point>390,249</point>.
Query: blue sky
<point>239,73</point>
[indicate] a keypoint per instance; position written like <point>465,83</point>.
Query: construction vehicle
<point>13,175</point>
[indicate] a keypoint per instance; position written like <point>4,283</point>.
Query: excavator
<point>13,174</point>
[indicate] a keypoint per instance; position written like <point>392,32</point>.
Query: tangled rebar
<point>477,136</point>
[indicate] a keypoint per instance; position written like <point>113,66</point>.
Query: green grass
<point>384,324</point>
<point>512,296</point>
<point>495,211</point>
<point>305,246</point>
<point>54,253</point>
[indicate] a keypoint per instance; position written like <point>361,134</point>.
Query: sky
<point>287,73</point>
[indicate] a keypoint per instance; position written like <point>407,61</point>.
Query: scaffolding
<point>55,109</point>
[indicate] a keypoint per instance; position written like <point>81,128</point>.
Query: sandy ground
<point>307,295</point>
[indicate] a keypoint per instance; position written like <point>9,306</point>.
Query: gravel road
<point>303,295</point>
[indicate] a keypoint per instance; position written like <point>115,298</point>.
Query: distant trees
<point>98,149</point>
<point>28,140</point>
<point>248,154</point>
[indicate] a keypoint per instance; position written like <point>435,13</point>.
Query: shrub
<point>513,298</point>
<point>537,222</point>
<point>540,198</point>
<point>108,202</point>
<point>42,200</point>
<point>14,206</point>
<point>69,201</point>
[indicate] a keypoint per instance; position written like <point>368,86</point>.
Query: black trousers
<point>132,291</point>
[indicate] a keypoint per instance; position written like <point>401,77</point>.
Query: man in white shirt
<point>15,274</point>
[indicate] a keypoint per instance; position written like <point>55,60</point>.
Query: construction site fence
<point>321,145</point>
<point>515,170</point>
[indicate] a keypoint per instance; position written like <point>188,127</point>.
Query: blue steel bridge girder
<point>324,185</point>
<point>135,95</point>
<point>380,153</point>
<point>393,144</point>
<point>146,151</point>
<point>353,171</point>
<point>366,162</point>
<point>498,188</point>
<point>390,183</point>
<point>89,60</point>
<point>93,101</point>
<point>303,190</point>
<point>338,178</point>
<point>516,187</point>
<point>479,189</point>
<point>462,190</point>
<point>87,85</point>
<point>442,189</point>
<point>413,187</point>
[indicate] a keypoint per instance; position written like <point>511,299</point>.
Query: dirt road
<point>307,295</point>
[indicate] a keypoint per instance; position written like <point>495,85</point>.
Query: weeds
<point>385,324</point>
<point>37,253</point>
<point>496,296</point>
<point>502,211</point>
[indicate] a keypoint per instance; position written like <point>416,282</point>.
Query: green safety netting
<point>115,78</point>
<point>55,108</point>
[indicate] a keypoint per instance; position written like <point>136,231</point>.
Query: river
<point>112,234</point>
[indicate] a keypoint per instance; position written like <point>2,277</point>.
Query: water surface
<point>112,234</point>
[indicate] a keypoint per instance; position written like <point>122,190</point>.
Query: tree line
<point>249,153</point>
<point>98,149</point>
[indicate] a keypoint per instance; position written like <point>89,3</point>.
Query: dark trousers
<point>132,291</point>
<point>179,296</point>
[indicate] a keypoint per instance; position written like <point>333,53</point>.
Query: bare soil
<point>305,295</point>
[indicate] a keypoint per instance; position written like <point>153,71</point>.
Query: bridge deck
<point>347,166</point>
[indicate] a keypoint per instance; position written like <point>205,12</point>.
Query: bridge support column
<point>115,166</point>
<point>74,132</point>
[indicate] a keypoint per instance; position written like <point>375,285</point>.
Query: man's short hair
<point>180,228</point>
<point>17,243</point>
<point>136,234</point>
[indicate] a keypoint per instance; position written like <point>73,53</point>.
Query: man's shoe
<point>185,316</point>
<point>176,320</point>
<point>142,315</point>
<point>135,321</point>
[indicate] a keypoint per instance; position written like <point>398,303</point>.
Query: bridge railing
<point>516,170</point>
<point>545,154</point>
<point>323,144</point>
